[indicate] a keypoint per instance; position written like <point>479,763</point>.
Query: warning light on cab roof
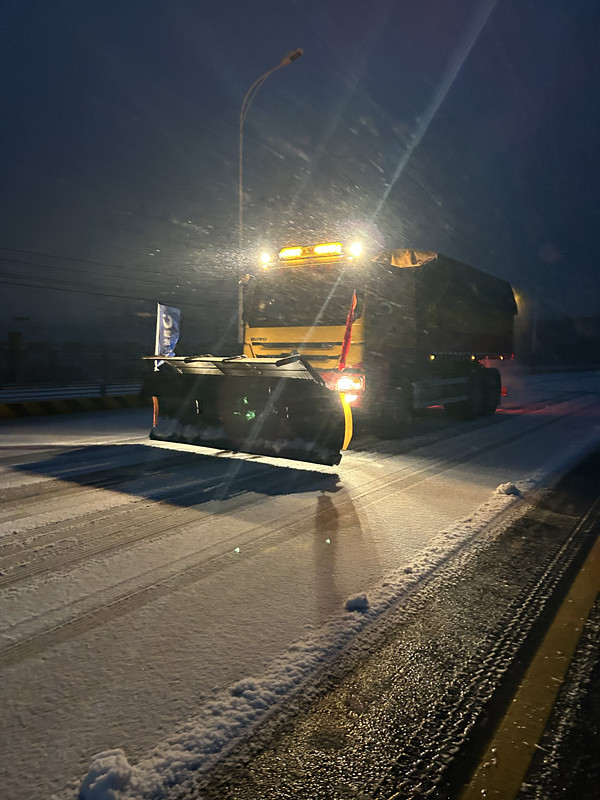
<point>311,251</point>
<point>290,252</point>
<point>330,249</point>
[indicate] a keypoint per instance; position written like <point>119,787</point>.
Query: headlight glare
<point>350,383</point>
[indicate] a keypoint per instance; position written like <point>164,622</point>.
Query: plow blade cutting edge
<point>275,407</point>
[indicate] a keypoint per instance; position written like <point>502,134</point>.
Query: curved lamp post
<point>247,102</point>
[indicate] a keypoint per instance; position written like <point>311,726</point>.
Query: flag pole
<point>157,339</point>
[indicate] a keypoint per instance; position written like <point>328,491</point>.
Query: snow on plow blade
<point>275,407</point>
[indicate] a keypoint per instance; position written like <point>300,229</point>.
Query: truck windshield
<point>300,296</point>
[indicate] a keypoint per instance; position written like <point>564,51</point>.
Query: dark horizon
<point>469,129</point>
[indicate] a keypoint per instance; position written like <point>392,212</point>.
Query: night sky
<point>465,126</point>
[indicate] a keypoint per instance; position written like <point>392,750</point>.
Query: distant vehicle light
<point>350,383</point>
<point>355,249</point>
<point>265,258</point>
<point>329,249</point>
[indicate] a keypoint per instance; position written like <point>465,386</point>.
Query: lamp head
<point>292,56</point>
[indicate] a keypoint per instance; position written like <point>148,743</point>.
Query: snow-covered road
<point>143,584</point>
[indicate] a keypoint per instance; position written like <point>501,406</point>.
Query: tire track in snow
<point>114,529</point>
<point>146,519</point>
<point>451,459</point>
<point>59,484</point>
<point>52,531</point>
<point>215,557</point>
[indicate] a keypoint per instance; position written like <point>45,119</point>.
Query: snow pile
<point>508,489</point>
<point>108,776</point>
<point>357,603</point>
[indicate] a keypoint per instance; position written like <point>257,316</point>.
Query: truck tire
<point>472,407</point>
<point>392,420</point>
<point>492,390</point>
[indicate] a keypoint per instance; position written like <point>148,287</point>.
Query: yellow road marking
<point>504,765</point>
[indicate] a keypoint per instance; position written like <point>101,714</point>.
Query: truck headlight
<point>350,383</point>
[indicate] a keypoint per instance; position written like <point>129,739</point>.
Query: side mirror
<point>358,311</point>
<point>246,286</point>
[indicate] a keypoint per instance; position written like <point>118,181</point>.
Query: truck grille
<point>306,349</point>
<point>295,345</point>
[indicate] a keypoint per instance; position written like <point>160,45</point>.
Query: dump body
<point>448,307</point>
<point>438,307</point>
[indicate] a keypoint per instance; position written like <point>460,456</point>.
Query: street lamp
<point>250,95</point>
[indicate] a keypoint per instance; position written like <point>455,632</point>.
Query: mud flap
<point>275,407</point>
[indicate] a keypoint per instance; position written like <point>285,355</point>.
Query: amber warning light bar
<point>322,250</point>
<point>328,249</point>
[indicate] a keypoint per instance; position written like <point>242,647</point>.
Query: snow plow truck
<point>332,338</point>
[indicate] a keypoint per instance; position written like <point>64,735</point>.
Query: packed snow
<point>171,685</point>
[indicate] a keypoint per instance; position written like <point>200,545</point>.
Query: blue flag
<point>168,320</point>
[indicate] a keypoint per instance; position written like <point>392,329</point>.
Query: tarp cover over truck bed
<point>455,308</point>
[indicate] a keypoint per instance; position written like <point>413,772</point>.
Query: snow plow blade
<point>275,407</point>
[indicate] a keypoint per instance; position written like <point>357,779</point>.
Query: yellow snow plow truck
<point>330,334</point>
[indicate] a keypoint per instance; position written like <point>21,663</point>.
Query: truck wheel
<point>392,421</point>
<point>492,390</point>
<point>473,406</point>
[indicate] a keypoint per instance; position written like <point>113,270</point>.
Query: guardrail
<point>17,394</point>
<point>28,401</point>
